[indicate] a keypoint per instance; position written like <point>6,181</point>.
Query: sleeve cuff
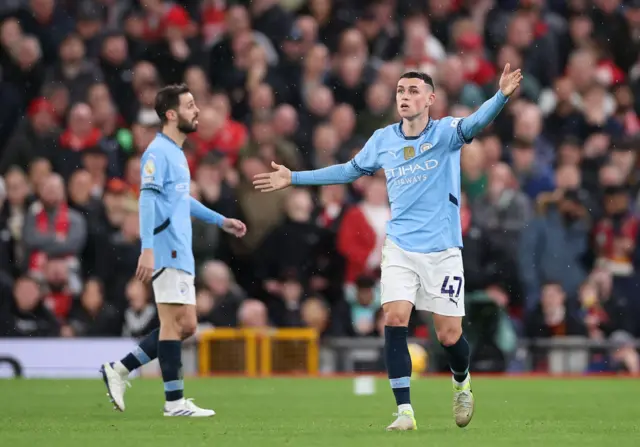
<point>357,167</point>
<point>151,187</point>
<point>501,96</point>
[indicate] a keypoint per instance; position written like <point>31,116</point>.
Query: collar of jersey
<point>162,135</point>
<point>402,135</point>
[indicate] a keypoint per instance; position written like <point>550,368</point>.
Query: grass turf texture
<point>322,412</point>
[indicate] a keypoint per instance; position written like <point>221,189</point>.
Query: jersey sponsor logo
<point>415,168</point>
<point>407,175</point>
<point>409,152</point>
<point>182,187</point>
<point>149,167</point>
<point>425,147</point>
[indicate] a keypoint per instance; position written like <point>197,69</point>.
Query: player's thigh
<point>399,284</point>
<point>170,315</point>
<point>442,280</point>
<point>189,321</point>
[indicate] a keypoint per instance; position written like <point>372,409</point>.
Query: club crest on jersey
<point>425,147</point>
<point>409,152</point>
<point>149,167</point>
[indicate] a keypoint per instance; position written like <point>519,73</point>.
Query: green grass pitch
<point>322,412</point>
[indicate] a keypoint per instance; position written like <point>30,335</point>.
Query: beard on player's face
<point>187,125</point>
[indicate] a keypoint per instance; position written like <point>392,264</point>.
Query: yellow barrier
<point>261,350</point>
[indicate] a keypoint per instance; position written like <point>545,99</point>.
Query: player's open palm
<point>273,181</point>
<point>235,227</point>
<point>510,80</point>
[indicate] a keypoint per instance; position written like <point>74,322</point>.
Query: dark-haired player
<point>166,208</point>
<point>421,258</point>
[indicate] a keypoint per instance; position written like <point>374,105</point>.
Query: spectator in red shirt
<point>216,131</point>
<point>477,68</point>
<point>79,136</point>
<point>362,233</point>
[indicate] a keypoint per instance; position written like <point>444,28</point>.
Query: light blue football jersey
<point>423,176</point>
<point>165,170</point>
<point>423,183</point>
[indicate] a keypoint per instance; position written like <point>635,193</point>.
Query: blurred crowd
<point>550,190</point>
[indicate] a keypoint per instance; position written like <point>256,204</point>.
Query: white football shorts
<point>173,286</point>
<point>433,282</point>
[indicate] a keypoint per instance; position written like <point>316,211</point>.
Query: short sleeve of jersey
<point>451,128</point>
<point>366,161</point>
<point>153,171</point>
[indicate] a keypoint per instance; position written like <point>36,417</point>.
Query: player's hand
<point>235,227</point>
<point>510,80</point>
<point>273,181</point>
<point>144,271</point>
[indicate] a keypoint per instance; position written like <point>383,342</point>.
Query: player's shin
<point>398,363</point>
<point>170,358</point>
<point>459,357</point>
<point>146,351</point>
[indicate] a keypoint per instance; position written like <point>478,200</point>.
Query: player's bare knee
<point>449,335</point>
<point>188,328</point>
<point>396,315</point>
<point>188,322</point>
<point>170,324</point>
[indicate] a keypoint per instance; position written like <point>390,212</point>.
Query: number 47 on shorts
<point>451,286</point>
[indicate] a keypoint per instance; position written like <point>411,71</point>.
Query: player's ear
<point>171,114</point>
<point>431,99</point>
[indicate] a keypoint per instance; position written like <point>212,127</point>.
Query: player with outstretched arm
<point>421,259</point>
<point>167,260</point>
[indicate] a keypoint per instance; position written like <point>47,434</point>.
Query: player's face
<point>187,114</point>
<point>413,98</point>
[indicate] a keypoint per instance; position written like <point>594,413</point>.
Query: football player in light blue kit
<point>421,258</point>
<point>166,208</point>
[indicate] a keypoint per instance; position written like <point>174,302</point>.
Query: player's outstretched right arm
<point>364,163</point>
<point>282,177</point>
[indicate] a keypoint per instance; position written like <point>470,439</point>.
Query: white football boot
<point>186,407</point>
<point>116,384</point>
<point>405,421</point>
<point>463,402</point>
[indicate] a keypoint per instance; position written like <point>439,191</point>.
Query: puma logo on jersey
<point>393,153</point>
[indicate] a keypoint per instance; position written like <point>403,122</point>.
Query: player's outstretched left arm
<point>481,118</point>
<point>231,226</point>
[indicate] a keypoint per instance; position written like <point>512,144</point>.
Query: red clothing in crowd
<point>228,140</point>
